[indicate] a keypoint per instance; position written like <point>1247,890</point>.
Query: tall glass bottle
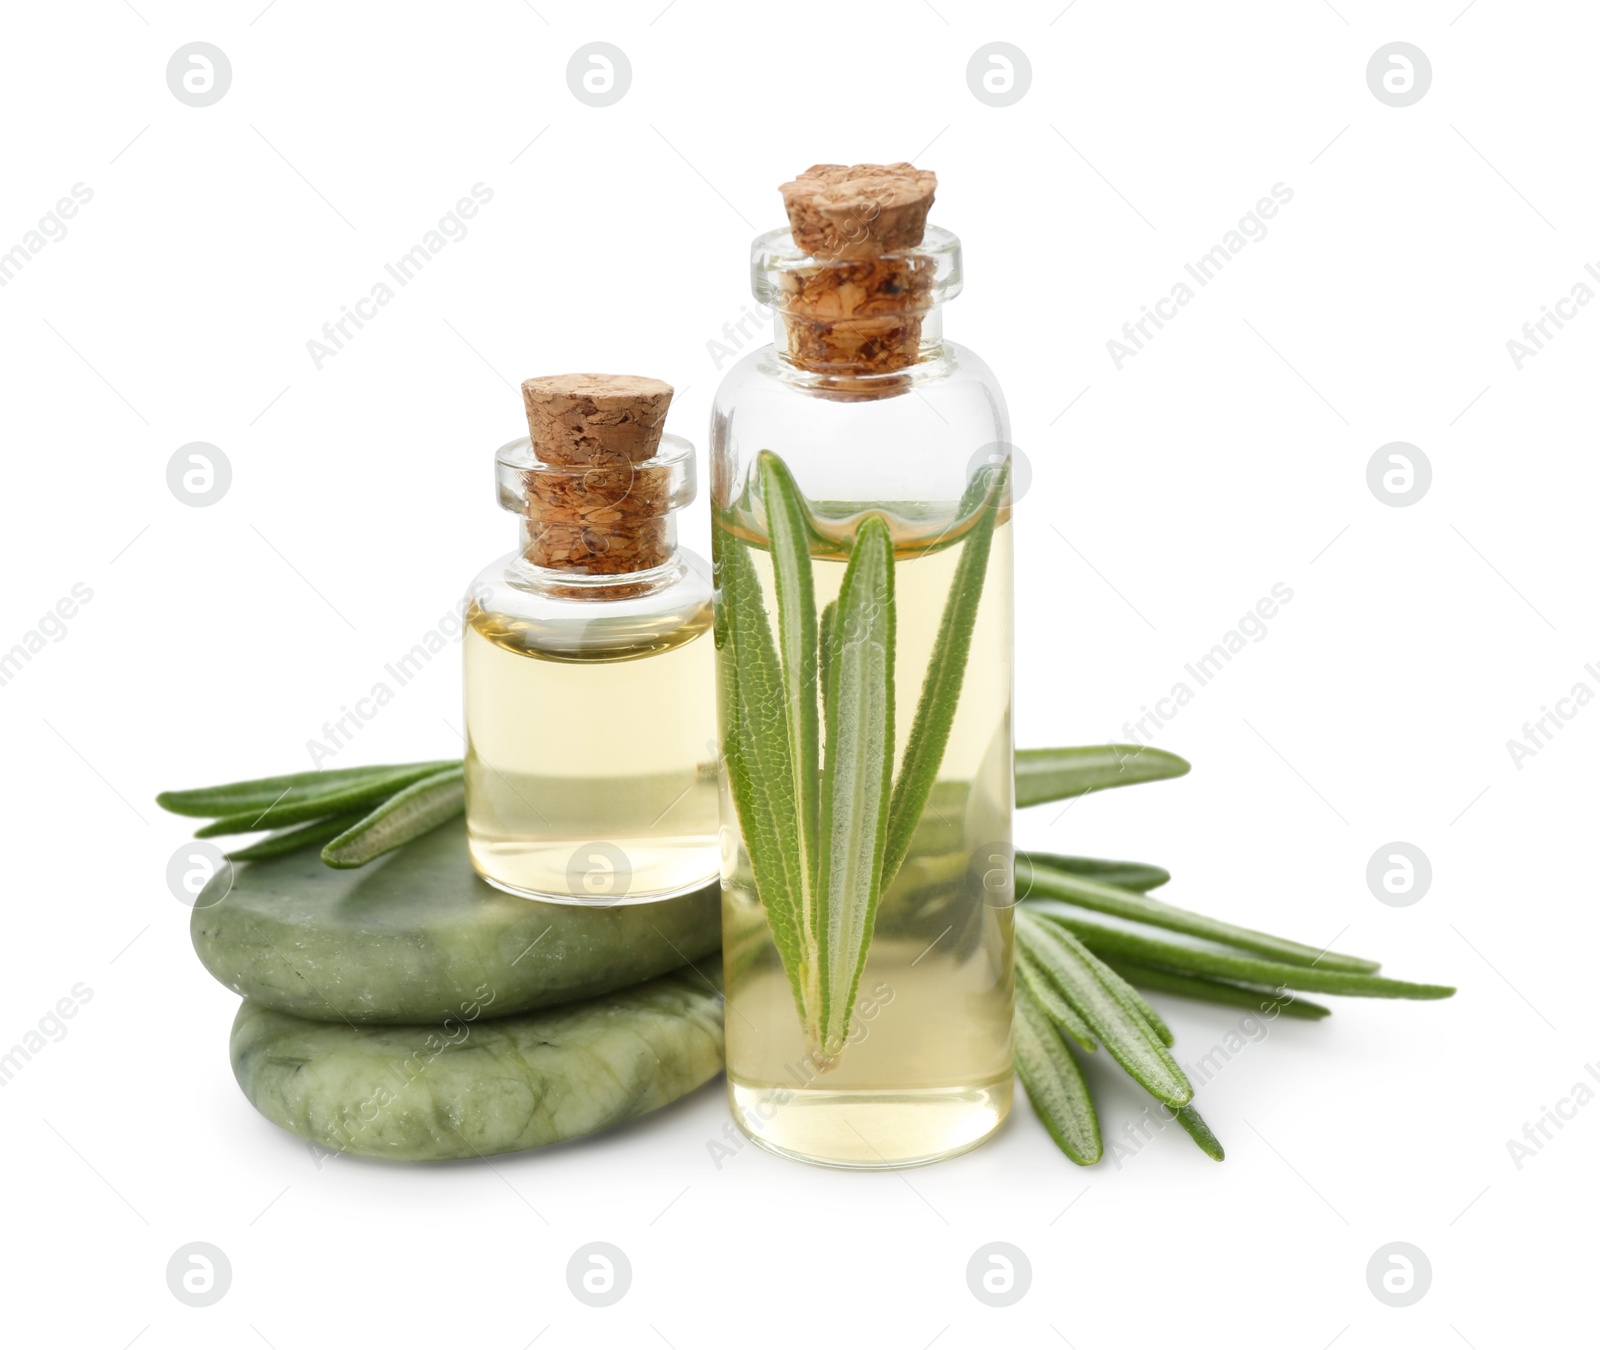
<point>862,540</point>
<point>591,739</point>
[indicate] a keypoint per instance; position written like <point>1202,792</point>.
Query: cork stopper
<point>594,419</point>
<point>859,312</point>
<point>858,210</point>
<point>595,504</point>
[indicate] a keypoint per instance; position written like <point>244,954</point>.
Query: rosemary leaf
<point>1050,883</point>
<point>1227,993</point>
<point>1200,1132</point>
<point>1185,958</point>
<point>1052,775</point>
<point>1131,876</point>
<point>294,808</point>
<point>1038,983</point>
<point>413,811</point>
<point>976,493</point>
<point>825,641</point>
<point>1131,999</point>
<point>1123,1029</point>
<point>856,782</point>
<point>789,531</point>
<point>297,837</point>
<point>760,773</point>
<point>1055,1083</point>
<point>941,686</point>
<point>256,794</point>
<point>1121,989</point>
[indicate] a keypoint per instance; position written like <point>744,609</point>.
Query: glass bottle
<point>864,1030</point>
<point>591,756</point>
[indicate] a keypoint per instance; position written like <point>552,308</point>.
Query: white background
<point>1227,456</point>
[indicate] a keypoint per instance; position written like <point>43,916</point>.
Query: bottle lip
<point>562,584</point>
<point>778,265</point>
<point>670,473</point>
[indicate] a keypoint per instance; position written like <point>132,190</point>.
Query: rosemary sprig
<point>831,843</point>
<point>294,806</point>
<point>257,794</point>
<point>1186,958</point>
<point>1120,1023</point>
<point>1055,1084</point>
<point>1229,970</point>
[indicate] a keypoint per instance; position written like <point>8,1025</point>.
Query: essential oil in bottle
<point>862,516</point>
<point>591,756</point>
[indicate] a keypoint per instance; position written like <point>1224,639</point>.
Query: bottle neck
<point>859,347</point>
<point>577,581</point>
<point>603,528</point>
<point>859,327</point>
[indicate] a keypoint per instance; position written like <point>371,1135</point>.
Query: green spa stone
<point>475,1088</point>
<point>416,937</point>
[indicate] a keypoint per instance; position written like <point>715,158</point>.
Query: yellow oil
<point>591,775</point>
<point>927,1072</point>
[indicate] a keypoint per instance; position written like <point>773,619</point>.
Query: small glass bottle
<point>862,536</point>
<point>591,756</point>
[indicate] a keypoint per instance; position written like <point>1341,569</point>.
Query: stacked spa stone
<point>407,1010</point>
